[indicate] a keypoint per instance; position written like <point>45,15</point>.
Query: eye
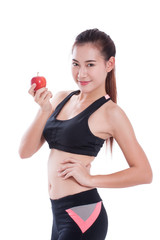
<point>74,64</point>
<point>90,65</point>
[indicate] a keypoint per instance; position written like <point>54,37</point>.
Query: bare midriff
<point>57,186</point>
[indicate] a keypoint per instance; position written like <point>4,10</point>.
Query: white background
<point>37,36</point>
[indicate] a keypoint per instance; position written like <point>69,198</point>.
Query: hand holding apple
<point>40,93</point>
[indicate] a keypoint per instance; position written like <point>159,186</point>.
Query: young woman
<point>76,124</point>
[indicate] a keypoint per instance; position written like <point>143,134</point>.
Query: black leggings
<point>80,216</point>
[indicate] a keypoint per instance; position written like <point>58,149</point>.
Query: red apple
<point>40,82</point>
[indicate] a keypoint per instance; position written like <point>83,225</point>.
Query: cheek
<point>100,75</point>
<point>74,72</point>
<point>103,73</point>
<point>96,72</point>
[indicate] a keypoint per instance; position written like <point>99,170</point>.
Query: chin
<point>85,89</point>
<point>89,89</point>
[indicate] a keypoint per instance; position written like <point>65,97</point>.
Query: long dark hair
<point>107,48</point>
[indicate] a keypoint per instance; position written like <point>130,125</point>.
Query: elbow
<point>148,176</point>
<point>26,151</point>
<point>143,176</point>
<point>23,154</point>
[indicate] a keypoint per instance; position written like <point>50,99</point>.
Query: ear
<point>110,64</point>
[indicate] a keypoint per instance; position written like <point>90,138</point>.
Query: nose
<point>82,73</point>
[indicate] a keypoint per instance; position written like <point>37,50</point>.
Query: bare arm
<point>139,171</point>
<point>33,139</point>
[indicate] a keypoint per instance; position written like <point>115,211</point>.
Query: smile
<point>84,82</point>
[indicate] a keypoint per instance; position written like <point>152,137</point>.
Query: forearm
<point>125,178</point>
<point>33,136</point>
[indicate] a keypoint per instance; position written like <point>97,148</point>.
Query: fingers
<point>48,96</point>
<point>68,175</point>
<point>88,166</point>
<point>71,160</point>
<point>31,90</point>
<point>65,172</point>
<point>75,161</point>
<point>38,92</point>
<point>68,165</point>
<point>41,95</point>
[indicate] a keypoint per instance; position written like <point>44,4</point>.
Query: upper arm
<point>123,133</point>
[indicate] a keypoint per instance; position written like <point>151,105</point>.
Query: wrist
<point>47,112</point>
<point>98,181</point>
<point>43,115</point>
<point>92,181</point>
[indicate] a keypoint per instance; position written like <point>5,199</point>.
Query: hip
<point>83,212</point>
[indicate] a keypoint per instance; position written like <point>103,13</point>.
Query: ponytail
<point>111,90</point>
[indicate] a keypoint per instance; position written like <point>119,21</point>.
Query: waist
<point>81,198</point>
<point>59,188</point>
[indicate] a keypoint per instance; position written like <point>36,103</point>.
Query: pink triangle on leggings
<point>85,225</point>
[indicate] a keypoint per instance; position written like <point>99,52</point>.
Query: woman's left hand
<point>75,168</point>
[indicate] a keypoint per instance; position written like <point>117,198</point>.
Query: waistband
<point>82,198</point>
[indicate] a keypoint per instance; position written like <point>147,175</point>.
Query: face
<point>89,69</point>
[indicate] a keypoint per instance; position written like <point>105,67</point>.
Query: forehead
<point>86,51</point>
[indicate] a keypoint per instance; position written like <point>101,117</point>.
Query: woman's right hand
<point>42,97</point>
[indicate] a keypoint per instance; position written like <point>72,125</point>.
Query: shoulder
<point>115,112</point>
<point>118,119</point>
<point>59,96</point>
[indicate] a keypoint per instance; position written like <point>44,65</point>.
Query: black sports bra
<point>73,135</point>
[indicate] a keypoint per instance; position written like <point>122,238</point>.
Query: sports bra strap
<point>95,105</point>
<point>61,104</point>
<point>86,112</point>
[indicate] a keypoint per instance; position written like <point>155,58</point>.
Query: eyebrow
<point>85,61</point>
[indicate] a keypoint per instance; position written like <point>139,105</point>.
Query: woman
<point>76,124</point>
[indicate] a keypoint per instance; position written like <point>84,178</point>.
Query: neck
<point>91,96</point>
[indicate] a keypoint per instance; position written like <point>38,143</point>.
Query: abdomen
<point>57,186</point>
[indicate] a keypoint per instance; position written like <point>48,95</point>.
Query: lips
<point>84,82</point>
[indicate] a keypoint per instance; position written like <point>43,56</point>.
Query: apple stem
<point>37,73</point>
